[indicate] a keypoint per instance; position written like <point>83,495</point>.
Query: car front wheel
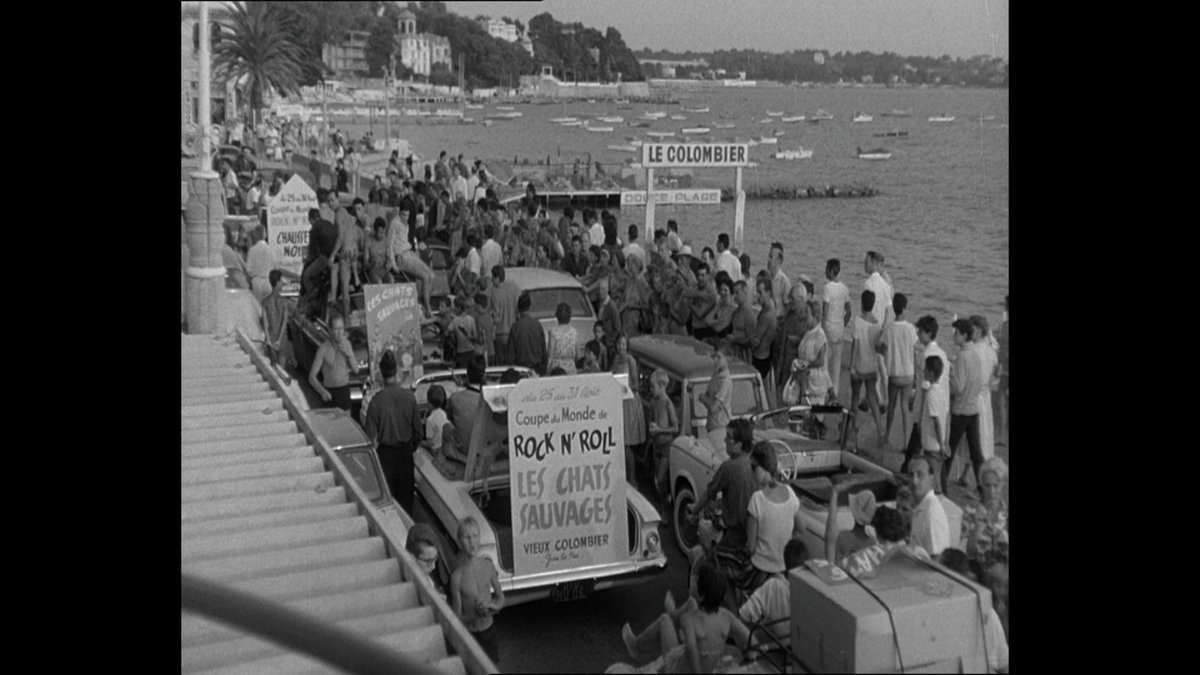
<point>685,528</point>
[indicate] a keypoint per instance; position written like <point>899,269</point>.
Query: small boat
<point>793,118</point>
<point>678,117</point>
<point>623,148</point>
<point>895,112</point>
<point>655,115</point>
<point>504,107</point>
<point>877,153</point>
<point>941,119</point>
<point>799,153</point>
<point>861,117</point>
<point>724,126</point>
<point>660,134</point>
<point>694,130</point>
<point>696,110</point>
<point>779,133</point>
<point>891,134</point>
<point>753,142</point>
<point>621,101</point>
<point>571,123</point>
<point>474,106</point>
<point>822,115</point>
<point>611,120</point>
<point>767,120</point>
<point>986,118</point>
<point>766,140</point>
<point>504,116</point>
<point>560,120</point>
<point>772,113</point>
<point>640,125</point>
<point>599,130</point>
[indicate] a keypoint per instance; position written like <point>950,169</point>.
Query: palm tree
<point>260,49</point>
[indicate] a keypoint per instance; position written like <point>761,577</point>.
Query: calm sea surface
<point>941,218</point>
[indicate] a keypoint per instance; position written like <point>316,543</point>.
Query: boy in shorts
<point>935,412</point>
<point>475,591</point>
<point>864,364</point>
<point>900,340</point>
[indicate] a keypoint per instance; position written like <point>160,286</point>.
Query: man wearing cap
<point>393,424</point>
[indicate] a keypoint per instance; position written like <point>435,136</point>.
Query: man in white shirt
<point>260,260</point>
<point>490,254</point>
<point>900,340</point>
<point>474,261</point>
<point>458,185</point>
<point>633,248</point>
<point>595,230</point>
<point>472,183</point>
<point>780,285</point>
<point>674,243</point>
<point>930,527</point>
<point>726,260</point>
<point>835,316</point>
<point>875,283</point>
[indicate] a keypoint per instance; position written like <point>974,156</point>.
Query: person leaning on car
<point>394,426</point>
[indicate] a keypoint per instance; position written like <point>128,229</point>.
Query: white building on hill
<point>420,51</point>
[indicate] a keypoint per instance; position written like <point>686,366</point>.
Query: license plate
<point>572,590</point>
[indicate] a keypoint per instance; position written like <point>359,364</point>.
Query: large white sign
<point>287,223</point>
<point>671,197</point>
<point>567,458</point>
<point>680,155</point>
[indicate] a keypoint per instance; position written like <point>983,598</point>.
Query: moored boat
<point>772,113</point>
<point>678,117</point>
<point>611,120</point>
<point>822,115</point>
<point>896,112</point>
<point>560,120</point>
<point>793,118</point>
<point>768,140</point>
<point>941,119</point>
<point>660,134</point>
<point>799,153</point>
<point>862,117</point>
<point>877,153</point>
<point>694,130</point>
<point>599,130</point>
<point>504,107</point>
<point>724,126</point>
<point>891,134</point>
<point>696,110</point>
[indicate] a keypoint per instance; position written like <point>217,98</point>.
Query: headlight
<point>652,544</point>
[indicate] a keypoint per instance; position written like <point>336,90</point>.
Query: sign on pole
<point>287,223</point>
<point>637,198</point>
<point>567,459</point>
<point>393,323</point>
<point>695,155</point>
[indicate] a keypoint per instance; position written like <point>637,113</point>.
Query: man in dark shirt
<point>734,479</point>
<point>463,406</point>
<point>575,262</point>
<point>527,340</point>
<point>321,240</point>
<point>393,424</point>
<point>564,227</point>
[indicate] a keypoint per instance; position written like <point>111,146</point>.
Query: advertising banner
<point>393,321</point>
<point>567,462</point>
<point>287,223</point>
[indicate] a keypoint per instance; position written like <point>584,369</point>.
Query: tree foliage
<point>260,46</point>
<point>569,49</point>
<point>487,61</point>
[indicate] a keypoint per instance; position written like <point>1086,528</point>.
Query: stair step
<point>248,457</point>
<point>258,521</point>
<point>230,652</point>
<point>199,512</point>
<point>257,486</point>
<point>231,420</point>
<point>236,375</point>
<point>192,365</point>
<point>335,607</point>
<point>313,583</point>
<point>223,398</point>
<point>287,561</point>
<point>189,390</point>
<point>222,474</point>
<point>194,450</point>
<point>422,644</point>
<point>240,544</point>
<point>243,431</point>
<point>269,401</point>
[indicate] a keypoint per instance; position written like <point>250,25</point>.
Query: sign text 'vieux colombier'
<point>566,448</point>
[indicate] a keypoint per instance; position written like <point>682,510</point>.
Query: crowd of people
<point>795,334</point>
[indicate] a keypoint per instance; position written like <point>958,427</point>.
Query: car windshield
<point>361,465</point>
<point>545,302</point>
<point>744,400</point>
<point>776,419</point>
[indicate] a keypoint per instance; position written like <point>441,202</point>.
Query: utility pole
<point>387,97</point>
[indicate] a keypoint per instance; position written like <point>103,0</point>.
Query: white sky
<point>960,28</point>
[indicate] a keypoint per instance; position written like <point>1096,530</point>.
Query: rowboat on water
<point>694,130</point>
<point>891,134</point>
<point>941,119</point>
<point>767,120</point>
<point>611,120</point>
<point>799,153</point>
<point>724,126</point>
<point>474,106</point>
<point>656,114</point>
<point>599,130</point>
<point>504,107</point>
<point>792,118</point>
<point>623,148</point>
<point>678,117</point>
<point>560,120</point>
<point>896,112</point>
<point>696,110</point>
<point>504,116</point>
<point>660,134</point>
<point>877,153</point>
<point>772,113</point>
<point>862,117</point>
<point>768,140</point>
<point>822,115</point>
<point>571,123</point>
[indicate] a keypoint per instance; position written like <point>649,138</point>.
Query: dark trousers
<point>488,640</point>
<point>503,358</point>
<point>958,425</point>
<point>763,366</point>
<point>399,472</point>
<point>340,397</point>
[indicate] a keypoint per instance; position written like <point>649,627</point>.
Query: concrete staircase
<point>260,513</point>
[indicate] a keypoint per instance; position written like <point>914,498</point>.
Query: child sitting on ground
<point>475,591</point>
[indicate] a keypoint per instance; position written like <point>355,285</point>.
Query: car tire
<point>686,534</point>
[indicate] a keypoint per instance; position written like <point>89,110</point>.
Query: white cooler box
<point>842,628</point>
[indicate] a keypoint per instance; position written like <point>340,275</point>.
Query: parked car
<point>547,288</point>
<point>443,492</point>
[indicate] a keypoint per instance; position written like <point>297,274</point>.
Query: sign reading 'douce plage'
<point>672,155</point>
<point>671,197</point>
<point>567,457</point>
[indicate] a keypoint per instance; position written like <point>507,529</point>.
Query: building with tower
<point>420,51</point>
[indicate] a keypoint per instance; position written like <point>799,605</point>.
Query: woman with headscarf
<point>839,544</point>
<point>985,525</point>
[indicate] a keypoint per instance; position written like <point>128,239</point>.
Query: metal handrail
<point>293,630</point>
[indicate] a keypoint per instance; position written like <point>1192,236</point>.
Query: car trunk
<point>818,485</point>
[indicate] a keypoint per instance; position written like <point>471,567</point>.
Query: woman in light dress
<point>562,342</point>
<point>813,359</point>
<point>988,350</point>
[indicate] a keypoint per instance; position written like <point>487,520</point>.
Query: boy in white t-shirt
<point>900,341</point>
<point>835,316</point>
<point>864,361</point>
<point>436,423</point>
<point>935,411</point>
